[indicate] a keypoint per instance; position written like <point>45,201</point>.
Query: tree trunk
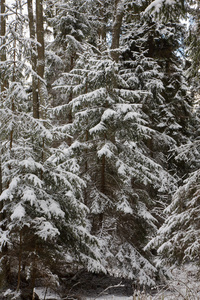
<point>20,261</point>
<point>69,117</point>
<point>103,184</point>
<point>117,22</point>
<point>5,268</point>
<point>42,90</point>
<point>32,34</point>
<point>103,20</point>
<point>3,50</point>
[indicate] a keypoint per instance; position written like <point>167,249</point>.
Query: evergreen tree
<point>152,48</point>
<point>43,218</point>
<point>109,129</point>
<point>108,153</point>
<point>177,239</point>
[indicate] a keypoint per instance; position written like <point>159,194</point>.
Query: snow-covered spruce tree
<point>177,240</point>
<point>72,27</point>
<point>193,46</point>
<point>108,128</point>
<point>43,213</point>
<point>42,217</point>
<point>152,46</point>
<point>164,10</point>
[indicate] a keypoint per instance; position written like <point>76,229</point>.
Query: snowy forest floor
<point>185,285</point>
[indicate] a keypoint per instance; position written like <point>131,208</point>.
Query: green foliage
<point>86,186</point>
<point>166,11</point>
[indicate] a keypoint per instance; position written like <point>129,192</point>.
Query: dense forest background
<point>99,139</point>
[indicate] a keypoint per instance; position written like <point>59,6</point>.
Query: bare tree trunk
<point>103,184</point>
<point>42,90</point>
<point>69,117</point>
<point>20,261</point>
<point>103,20</point>
<point>3,50</point>
<point>5,268</point>
<point>5,272</point>
<point>32,33</point>
<point>33,273</point>
<point>117,22</point>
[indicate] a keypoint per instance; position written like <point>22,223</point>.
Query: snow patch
<point>46,230</point>
<point>105,151</point>
<point>156,5</point>
<point>18,213</point>
<point>29,195</point>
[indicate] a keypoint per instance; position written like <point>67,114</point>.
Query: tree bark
<point>103,20</point>
<point>32,33</point>
<point>5,272</point>
<point>3,50</point>
<point>42,90</point>
<point>117,22</point>
<point>20,261</point>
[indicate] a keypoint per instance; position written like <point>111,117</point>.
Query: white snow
<point>30,164</point>
<point>46,230</point>
<point>29,195</point>
<point>98,128</point>
<point>184,284</point>
<point>46,294</point>
<point>105,151</point>
<point>56,210</point>
<point>6,195</point>
<point>108,113</point>
<point>18,213</point>
<point>157,4</point>
<point>111,297</point>
<point>14,183</point>
<point>125,207</point>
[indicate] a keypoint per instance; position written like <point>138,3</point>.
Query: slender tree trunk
<point>69,117</point>
<point>86,154</point>
<point>33,273</point>
<point>5,272</point>
<point>117,22</point>
<point>103,20</point>
<point>1,186</point>
<point>13,79</point>
<point>103,184</point>
<point>42,90</point>
<point>20,261</point>
<point>4,82</point>
<point>32,33</point>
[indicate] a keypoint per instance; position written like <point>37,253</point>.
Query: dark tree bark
<point>3,50</point>
<point>42,90</point>
<point>32,33</point>
<point>117,22</point>
<point>5,272</point>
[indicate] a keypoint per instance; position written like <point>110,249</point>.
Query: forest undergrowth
<point>184,284</point>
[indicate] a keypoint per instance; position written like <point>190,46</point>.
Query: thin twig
<point>109,287</point>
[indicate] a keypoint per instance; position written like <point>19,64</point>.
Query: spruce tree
<point>109,130</point>
<point>177,239</point>
<point>43,218</point>
<point>117,153</point>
